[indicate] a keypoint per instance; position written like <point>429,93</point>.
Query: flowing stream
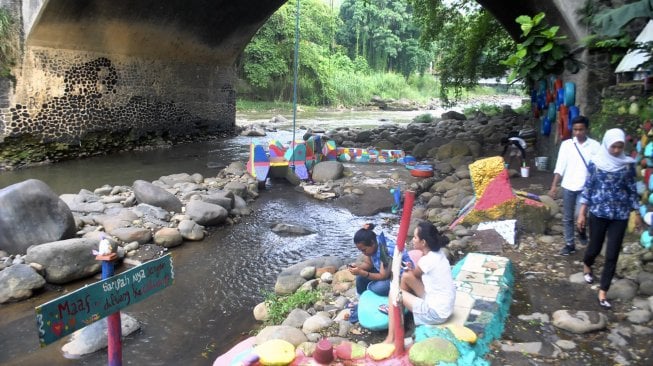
<point>219,280</point>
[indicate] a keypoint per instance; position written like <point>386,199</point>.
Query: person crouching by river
<point>610,194</point>
<point>373,273</point>
<point>427,289</point>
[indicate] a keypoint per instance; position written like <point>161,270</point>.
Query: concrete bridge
<point>97,75</point>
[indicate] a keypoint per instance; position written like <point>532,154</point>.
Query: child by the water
<point>427,289</point>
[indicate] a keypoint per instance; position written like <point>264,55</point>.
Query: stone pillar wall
<point>75,98</point>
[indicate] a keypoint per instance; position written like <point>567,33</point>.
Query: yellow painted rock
<point>275,352</point>
<point>380,351</point>
<point>462,333</point>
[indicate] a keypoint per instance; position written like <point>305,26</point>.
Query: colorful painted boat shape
<point>372,156</point>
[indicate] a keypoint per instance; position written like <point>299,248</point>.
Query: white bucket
<point>542,163</point>
<point>524,171</point>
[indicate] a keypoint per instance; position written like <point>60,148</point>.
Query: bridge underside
<point>105,74</point>
<point>97,75</point>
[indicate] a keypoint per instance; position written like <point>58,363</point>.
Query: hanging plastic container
<point>573,113</point>
<point>570,94</point>
<point>546,126</point>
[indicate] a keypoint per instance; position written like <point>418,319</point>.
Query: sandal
<point>605,304</point>
<point>383,308</point>
<point>589,277</point>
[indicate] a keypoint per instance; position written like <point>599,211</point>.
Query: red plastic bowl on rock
<point>422,171</point>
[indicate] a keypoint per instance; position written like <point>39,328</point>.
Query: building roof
<point>634,58</point>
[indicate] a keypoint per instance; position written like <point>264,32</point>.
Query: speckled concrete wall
<point>65,95</point>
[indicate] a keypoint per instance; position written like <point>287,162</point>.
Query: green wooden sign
<point>68,313</point>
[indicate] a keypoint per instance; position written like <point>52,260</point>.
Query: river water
<point>219,280</point>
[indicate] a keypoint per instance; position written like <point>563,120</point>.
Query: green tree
<point>383,32</point>
<point>469,42</point>
<point>266,62</point>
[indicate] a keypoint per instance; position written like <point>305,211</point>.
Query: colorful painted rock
<point>275,352</point>
<point>433,351</point>
<point>349,351</point>
<point>381,351</point>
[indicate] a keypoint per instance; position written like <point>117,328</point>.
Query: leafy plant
<point>8,42</point>
<point>541,52</point>
<point>424,118</point>
<point>280,306</point>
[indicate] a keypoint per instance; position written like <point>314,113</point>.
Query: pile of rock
<point>50,238</point>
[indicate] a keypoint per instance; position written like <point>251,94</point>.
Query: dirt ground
<point>542,286</point>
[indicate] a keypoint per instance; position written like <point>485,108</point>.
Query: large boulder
<point>31,213</point>
<point>65,260</point>
<point>327,170</point>
<point>205,213</point>
<point>18,282</point>
<point>147,192</point>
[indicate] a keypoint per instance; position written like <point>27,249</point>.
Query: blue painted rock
<point>369,315</point>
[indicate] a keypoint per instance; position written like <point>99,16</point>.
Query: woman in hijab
<point>610,195</point>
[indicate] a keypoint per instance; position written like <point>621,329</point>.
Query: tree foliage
<point>384,34</point>
<point>266,62</point>
<point>8,42</point>
<point>468,42</point>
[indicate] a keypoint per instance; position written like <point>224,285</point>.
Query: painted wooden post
<point>114,331</point>
<point>409,200</point>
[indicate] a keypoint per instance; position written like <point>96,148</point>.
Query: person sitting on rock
<point>516,146</point>
<point>373,273</point>
<point>427,290</point>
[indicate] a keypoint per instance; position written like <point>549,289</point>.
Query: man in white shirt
<point>573,157</point>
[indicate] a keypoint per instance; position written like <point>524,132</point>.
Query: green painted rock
<point>432,351</point>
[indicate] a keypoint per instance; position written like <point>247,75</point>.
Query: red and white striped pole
<point>395,307</point>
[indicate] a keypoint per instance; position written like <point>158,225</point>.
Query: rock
<point>83,202</point>
<point>221,198</point>
<point>261,312</point>
<point>32,202</point>
<point>172,179</point>
<point>205,213</point>
<point>130,234</point>
<point>579,322</point>
<point>237,188</point>
<point>236,168</point>
<point>296,318</point>
<point>190,230</point>
<point>65,260</point>
<point>638,316</point>
<point>453,115</point>
<point>275,352</point>
<point>288,284</point>
<point>149,211</point>
<point>94,337</point>
<point>18,282</point>
<point>623,289</point>
<point>287,333</point>
<point>326,171</point>
<point>290,229</point>
<point>432,351</point>
<point>147,192</point>
<point>168,237</point>
<point>308,272</point>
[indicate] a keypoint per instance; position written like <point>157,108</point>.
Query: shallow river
<point>219,280</point>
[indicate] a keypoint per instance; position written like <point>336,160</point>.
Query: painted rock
<point>275,352</point>
<point>349,351</point>
<point>463,333</point>
<point>432,351</point>
<point>380,351</point>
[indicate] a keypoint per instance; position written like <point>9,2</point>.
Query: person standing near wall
<point>571,166</point>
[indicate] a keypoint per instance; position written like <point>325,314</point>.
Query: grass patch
<point>280,306</point>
